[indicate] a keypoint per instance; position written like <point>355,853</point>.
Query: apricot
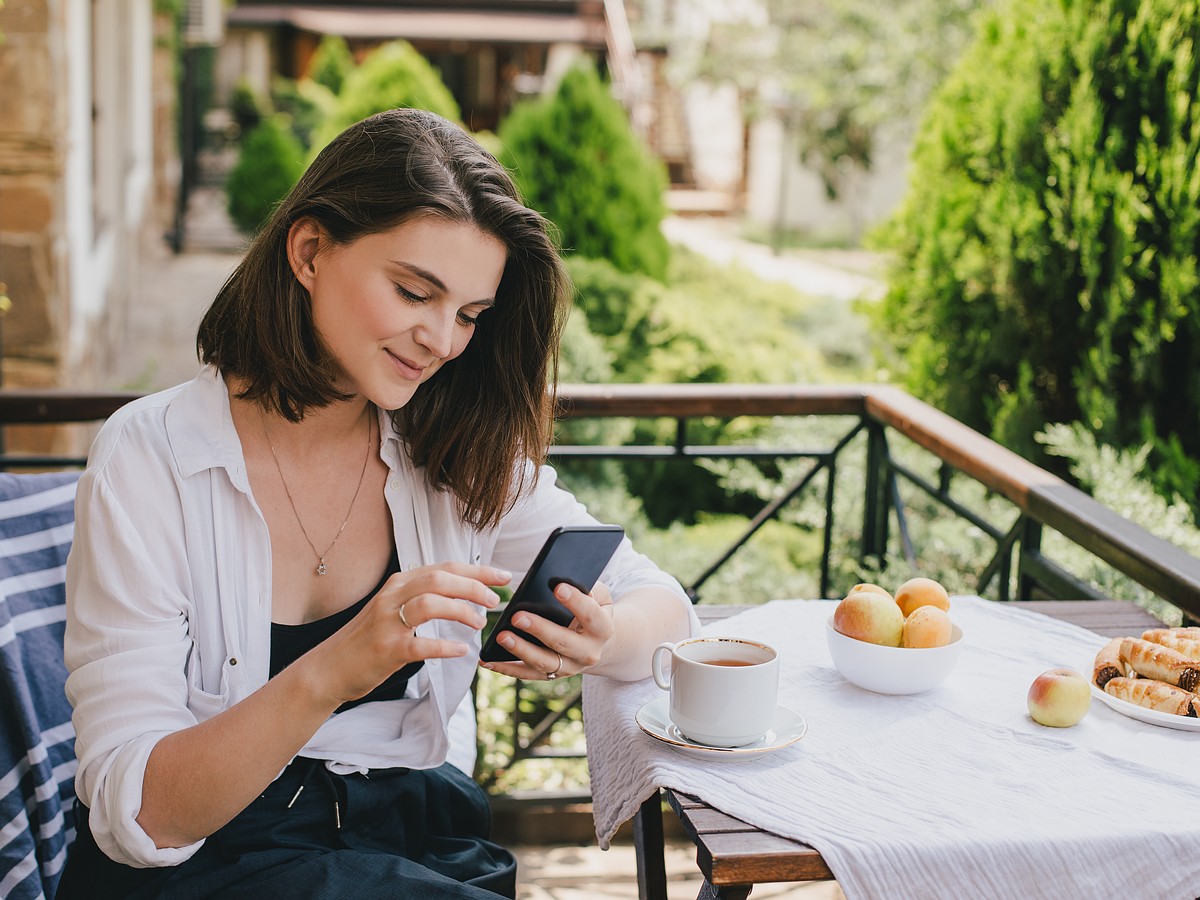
<point>921,592</point>
<point>926,626</point>
<point>870,617</point>
<point>869,588</point>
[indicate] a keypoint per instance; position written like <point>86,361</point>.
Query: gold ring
<point>550,676</point>
<point>404,618</point>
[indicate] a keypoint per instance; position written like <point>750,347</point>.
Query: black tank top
<point>290,642</point>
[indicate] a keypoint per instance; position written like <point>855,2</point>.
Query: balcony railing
<point>875,418</point>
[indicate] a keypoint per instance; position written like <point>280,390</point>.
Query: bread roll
<point>1177,639</point>
<point>1154,695</point>
<point>1161,663</point>
<point>1109,663</point>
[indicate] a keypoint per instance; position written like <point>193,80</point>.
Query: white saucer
<point>654,719</point>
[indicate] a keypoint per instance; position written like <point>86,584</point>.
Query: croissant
<point>1154,695</point>
<point>1161,663</point>
<point>1177,639</point>
<point>1109,663</point>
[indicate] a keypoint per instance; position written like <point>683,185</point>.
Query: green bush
<point>271,160</point>
<point>306,104</point>
<point>1048,246</point>
<point>393,75</point>
<point>245,107</point>
<point>577,161</point>
<point>331,63</point>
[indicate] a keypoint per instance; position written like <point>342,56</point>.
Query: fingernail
<point>521,621</point>
<point>506,640</point>
<point>503,573</point>
<point>562,591</point>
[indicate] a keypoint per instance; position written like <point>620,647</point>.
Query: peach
<point>926,626</point>
<point>870,617</point>
<point>869,588</point>
<point>1059,698</point>
<point>921,592</point>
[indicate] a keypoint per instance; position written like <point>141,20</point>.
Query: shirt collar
<point>200,429</point>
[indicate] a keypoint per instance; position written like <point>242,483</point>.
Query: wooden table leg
<point>724,892</point>
<point>651,852</point>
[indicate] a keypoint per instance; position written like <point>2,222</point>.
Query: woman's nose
<point>437,332</point>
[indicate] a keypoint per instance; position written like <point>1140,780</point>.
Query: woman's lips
<point>406,369</point>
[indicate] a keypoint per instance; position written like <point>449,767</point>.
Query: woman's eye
<point>466,319</point>
<point>409,295</point>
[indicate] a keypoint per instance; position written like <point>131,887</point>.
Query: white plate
<point>1142,714</point>
<point>654,719</point>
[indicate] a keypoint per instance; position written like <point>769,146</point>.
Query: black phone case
<point>576,554</point>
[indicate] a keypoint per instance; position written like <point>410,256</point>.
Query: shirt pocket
<point>204,704</point>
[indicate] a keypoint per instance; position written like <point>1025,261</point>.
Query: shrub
<point>578,162</point>
<point>1048,245</point>
<point>271,160</point>
<point>331,63</point>
<point>245,107</point>
<point>393,75</point>
<point>306,104</point>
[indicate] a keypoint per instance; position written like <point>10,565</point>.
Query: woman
<point>281,568</point>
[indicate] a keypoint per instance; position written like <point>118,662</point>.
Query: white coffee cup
<point>724,691</point>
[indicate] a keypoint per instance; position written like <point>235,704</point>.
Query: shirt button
<point>394,484</point>
<point>233,660</point>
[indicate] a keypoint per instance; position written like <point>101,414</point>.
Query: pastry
<point>1161,663</point>
<point>1109,663</point>
<point>1177,639</point>
<point>1154,695</point>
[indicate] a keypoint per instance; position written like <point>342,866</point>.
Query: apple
<point>927,626</point>
<point>870,617</point>
<point>870,589</point>
<point>918,592</point>
<point>1059,698</point>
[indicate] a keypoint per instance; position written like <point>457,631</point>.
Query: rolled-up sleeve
<point>127,650</point>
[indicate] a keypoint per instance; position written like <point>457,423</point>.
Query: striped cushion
<point>37,743</point>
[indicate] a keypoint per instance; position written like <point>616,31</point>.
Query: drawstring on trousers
<point>317,766</point>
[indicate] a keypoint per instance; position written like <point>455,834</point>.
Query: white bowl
<point>892,670</point>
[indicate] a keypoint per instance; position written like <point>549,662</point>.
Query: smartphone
<point>576,554</point>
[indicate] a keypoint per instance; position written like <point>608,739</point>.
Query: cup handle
<point>656,667</point>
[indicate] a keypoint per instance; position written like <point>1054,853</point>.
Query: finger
<point>524,671</point>
<point>426,607</point>
<point>542,660</point>
<point>435,648</point>
<point>593,613</point>
<point>438,580</point>
<point>491,575</point>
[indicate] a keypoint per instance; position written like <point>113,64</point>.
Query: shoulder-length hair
<point>473,424</point>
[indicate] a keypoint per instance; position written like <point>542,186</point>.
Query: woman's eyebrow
<point>422,273</point>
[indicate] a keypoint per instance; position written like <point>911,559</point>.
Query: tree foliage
<point>270,161</point>
<point>578,162</point>
<point>392,75</point>
<point>834,71</point>
<point>331,62</point>
<point>1048,246</point>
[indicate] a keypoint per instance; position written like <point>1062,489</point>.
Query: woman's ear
<point>304,237</point>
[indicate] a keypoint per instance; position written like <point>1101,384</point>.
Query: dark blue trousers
<point>390,833</point>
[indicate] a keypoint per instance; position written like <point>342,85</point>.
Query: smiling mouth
<point>406,369</point>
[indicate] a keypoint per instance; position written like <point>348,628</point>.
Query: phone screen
<point>575,554</point>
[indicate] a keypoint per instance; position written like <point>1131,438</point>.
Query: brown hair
<point>471,425</point>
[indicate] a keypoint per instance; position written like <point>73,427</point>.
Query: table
<point>734,856</point>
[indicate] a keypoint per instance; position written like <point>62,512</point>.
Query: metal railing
<point>1019,567</point>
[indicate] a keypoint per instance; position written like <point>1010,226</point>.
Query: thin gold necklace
<point>321,567</point>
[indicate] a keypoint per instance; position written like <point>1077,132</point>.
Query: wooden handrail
<point>1155,563</point>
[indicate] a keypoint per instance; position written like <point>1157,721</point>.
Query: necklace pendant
<point>321,570</point>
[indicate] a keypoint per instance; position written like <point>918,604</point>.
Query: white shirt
<point>169,603</point>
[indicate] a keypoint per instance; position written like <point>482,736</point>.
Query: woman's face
<point>392,308</point>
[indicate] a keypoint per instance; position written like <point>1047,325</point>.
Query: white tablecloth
<point>954,793</point>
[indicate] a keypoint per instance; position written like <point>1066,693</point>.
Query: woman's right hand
<point>379,641</point>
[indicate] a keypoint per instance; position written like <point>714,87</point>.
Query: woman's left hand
<point>567,651</point>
